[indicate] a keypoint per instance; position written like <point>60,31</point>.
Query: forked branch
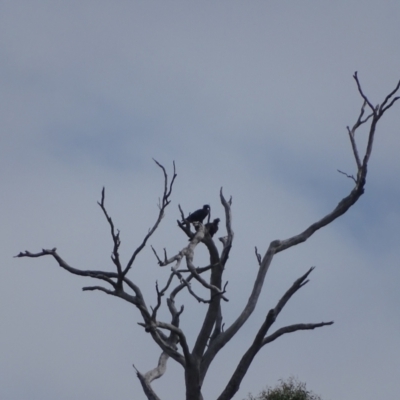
<point>260,339</point>
<point>164,202</point>
<point>343,206</point>
<point>115,237</point>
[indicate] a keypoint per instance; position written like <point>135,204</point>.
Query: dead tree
<point>184,276</point>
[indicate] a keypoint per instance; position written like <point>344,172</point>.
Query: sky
<point>253,97</point>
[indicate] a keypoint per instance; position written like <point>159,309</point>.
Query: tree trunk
<point>192,380</point>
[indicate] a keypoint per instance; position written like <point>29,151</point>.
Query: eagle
<point>212,227</point>
<point>199,215</point>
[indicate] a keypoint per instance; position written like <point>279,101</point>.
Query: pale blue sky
<point>252,96</point>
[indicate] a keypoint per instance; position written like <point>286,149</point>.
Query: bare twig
<point>348,176</point>
<point>352,132</point>
<point>383,106</point>
<point>181,212</point>
<point>115,237</point>
<point>186,228</point>
<point>155,253</point>
<point>164,203</point>
<point>167,190</point>
<point>362,93</point>
<point>87,288</point>
<point>258,256</point>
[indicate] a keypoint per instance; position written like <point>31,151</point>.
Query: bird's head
<point>216,221</point>
<point>206,207</point>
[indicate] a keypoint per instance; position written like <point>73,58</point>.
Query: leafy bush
<point>292,389</point>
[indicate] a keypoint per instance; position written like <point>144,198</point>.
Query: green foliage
<point>292,389</point>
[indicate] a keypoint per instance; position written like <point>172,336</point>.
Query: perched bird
<point>199,215</point>
<point>212,227</point>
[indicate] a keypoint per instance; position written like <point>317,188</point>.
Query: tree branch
<point>293,328</point>
<point>115,237</point>
<point>145,382</point>
<point>362,93</point>
<point>258,256</point>
<point>227,242</point>
<point>388,97</point>
<point>259,341</point>
<point>352,132</point>
<point>277,246</point>
<point>102,289</point>
<point>163,205</point>
<point>102,275</point>
<point>165,343</point>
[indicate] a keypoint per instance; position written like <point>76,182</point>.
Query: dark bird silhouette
<point>199,215</point>
<point>212,227</point>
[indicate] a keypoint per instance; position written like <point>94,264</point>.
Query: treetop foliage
<point>292,389</point>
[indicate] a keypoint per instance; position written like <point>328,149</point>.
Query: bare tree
<point>212,336</point>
